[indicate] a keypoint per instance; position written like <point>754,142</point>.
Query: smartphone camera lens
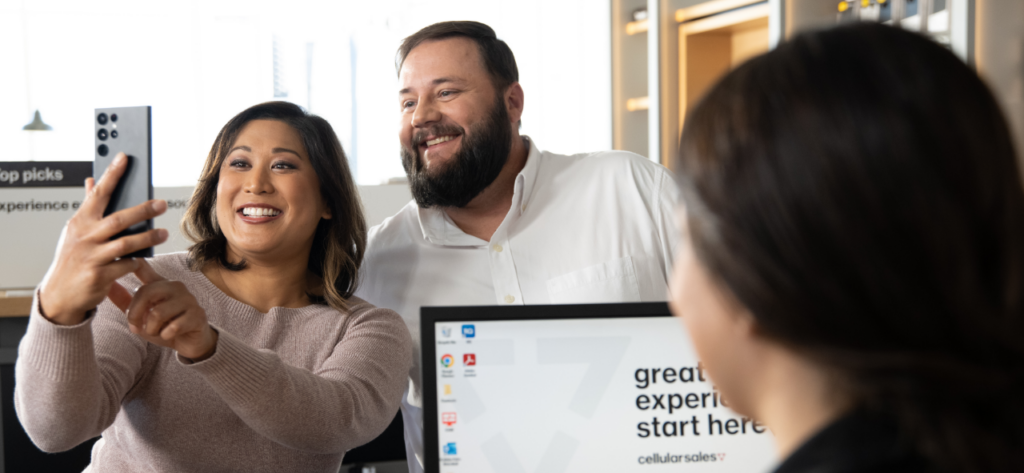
<point>102,150</point>
<point>113,133</point>
<point>102,118</point>
<point>113,117</point>
<point>102,134</point>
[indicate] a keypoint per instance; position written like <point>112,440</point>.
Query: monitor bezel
<point>429,316</point>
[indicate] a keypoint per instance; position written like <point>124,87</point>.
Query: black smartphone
<point>127,130</point>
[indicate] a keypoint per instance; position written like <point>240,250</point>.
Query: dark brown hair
<point>498,58</point>
<point>857,190</point>
<point>338,243</point>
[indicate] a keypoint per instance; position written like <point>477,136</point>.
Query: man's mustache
<point>436,130</point>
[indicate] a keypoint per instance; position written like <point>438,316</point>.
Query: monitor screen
<point>583,388</point>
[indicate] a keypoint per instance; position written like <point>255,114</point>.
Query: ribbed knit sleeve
<point>347,401</point>
<point>287,390</point>
<point>63,396</point>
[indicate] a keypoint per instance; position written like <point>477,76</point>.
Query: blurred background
<point>597,74</point>
<point>198,63</point>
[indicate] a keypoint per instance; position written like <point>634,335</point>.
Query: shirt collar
<point>439,229</point>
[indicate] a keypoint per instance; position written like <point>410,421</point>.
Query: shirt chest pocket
<point>611,281</point>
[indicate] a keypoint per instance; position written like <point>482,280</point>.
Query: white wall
<point>199,62</point>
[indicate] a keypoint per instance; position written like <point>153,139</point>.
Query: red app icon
<point>469,359</point>
<point>448,418</point>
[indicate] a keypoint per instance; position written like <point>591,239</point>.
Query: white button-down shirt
<point>587,228</point>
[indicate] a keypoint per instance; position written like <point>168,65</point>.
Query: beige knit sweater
<point>290,390</point>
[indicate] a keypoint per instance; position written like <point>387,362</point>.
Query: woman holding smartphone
<point>854,272</point>
<point>246,353</point>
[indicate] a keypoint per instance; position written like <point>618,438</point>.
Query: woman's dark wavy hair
<point>339,242</point>
<point>857,190</point>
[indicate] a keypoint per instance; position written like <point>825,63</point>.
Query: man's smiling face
<point>455,130</point>
<point>445,89</point>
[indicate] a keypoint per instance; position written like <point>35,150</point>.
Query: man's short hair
<point>498,58</point>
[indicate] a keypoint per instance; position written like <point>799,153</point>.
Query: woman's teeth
<point>439,140</point>
<point>260,212</point>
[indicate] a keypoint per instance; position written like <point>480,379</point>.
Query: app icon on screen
<point>446,331</point>
<point>469,359</point>
<point>448,418</point>
<point>449,448</point>
<point>447,390</point>
<point>447,361</point>
<point>469,331</point>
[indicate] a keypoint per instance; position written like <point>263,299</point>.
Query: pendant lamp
<point>37,124</point>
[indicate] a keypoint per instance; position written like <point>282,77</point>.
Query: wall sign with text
<point>44,173</point>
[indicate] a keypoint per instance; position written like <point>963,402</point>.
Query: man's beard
<point>470,170</point>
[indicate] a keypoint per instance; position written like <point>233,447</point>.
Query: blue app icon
<point>469,331</point>
<point>449,448</point>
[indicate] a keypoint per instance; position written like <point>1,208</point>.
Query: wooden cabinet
<point>662,65</point>
<point>715,37</point>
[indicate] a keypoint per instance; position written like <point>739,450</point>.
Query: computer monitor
<point>575,388</point>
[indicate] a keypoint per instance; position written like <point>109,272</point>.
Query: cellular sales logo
<point>699,457</point>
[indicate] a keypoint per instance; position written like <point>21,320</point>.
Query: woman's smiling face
<point>268,194</point>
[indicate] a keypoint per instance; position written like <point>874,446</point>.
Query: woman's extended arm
<point>70,380</point>
<point>346,402</point>
<point>62,395</point>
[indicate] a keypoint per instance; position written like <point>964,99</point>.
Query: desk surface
<point>15,305</point>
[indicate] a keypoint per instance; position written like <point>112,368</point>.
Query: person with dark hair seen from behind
<point>248,352</point>
<point>854,272</point>
<point>494,219</point>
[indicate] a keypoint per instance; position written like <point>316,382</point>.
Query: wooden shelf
<point>715,37</point>
<point>15,305</point>
<point>630,70</point>
<point>635,27</point>
<point>712,7</point>
<point>637,103</point>
<point>729,21</point>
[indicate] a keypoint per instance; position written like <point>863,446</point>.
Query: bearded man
<point>495,220</point>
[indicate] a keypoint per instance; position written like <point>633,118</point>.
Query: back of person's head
<point>857,190</point>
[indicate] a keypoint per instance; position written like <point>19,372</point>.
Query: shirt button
<point>497,248</point>
<point>510,298</point>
